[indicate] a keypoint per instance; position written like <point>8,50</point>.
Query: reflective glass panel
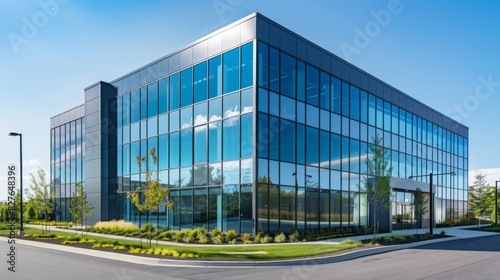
<point>200,82</point>
<point>288,74</point>
<point>247,65</point>
<point>231,70</point>
<point>214,77</point>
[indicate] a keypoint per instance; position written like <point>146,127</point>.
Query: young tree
<point>480,196</point>
<point>80,206</point>
<point>43,194</point>
<point>420,205</point>
<point>377,184</point>
<point>150,195</point>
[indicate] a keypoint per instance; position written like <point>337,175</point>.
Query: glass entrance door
<point>403,215</point>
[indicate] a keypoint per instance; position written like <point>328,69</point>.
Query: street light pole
<point>21,228</point>
<point>431,194</point>
<point>496,203</point>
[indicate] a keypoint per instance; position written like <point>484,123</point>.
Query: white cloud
<point>492,175</point>
<point>32,162</point>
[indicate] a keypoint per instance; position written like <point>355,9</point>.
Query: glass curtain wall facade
<point>200,120</point>
<point>257,128</point>
<point>67,164</point>
<point>313,135</point>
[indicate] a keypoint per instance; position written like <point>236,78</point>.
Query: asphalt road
<point>475,258</point>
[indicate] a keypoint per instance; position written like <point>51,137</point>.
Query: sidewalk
<point>455,232</point>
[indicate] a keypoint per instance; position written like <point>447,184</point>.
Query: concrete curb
<point>227,264</point>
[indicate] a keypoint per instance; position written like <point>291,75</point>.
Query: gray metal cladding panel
<point>263,30</point>
<point>288,43</point>
<point>336,67</point>
<point>173,63</point>
<point>135,80</point>
<point>231,38</point>
<point>301,49</point>
<point>325,62</point>
<point>92,93</point>
<point>93,138</point>
<point>93,185</point>
<point>163,68</point>
<point>186,58</point>
<point>355,76</point>
<point>200,51</point>
<point>92,106</point>
<point>93,168</point>
<point>92,120</point>
<point>313,55</point>
<point>93,152</point>
<point>215,45</point>
<point>274,35</point>
<point>248,30</point>
<point>346,72</point>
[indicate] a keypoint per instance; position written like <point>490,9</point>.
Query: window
<point>263,62</point>
<point>144,103</point>
<point>247,65</point>
<point>200,144</point>
<point>215,142</point>
<point>301,80</point>
<point>354,103</point>
<point>274,74</point>
<point>273,138</point>
<point>345,99</point>
<point>263,128</point>
<point>135,108</point>
<point>231,105</point>
<point>200,82</point>
<point>163,152</point>
<point>125,115</point>
<point>312,85</point>
<point>186,147</point>
<point>324,95</point>
<point>288,75</point>
<point>364,107</point>
<point>174,149</point>
<point>163,96</point>
<point>152,99</point>
<point>335,95</point>
<point>214,77</point>
<point>312,140</point>
<point>231,70</point>
<point>287,141</point>
<point>186,87</point>
<point>246,135</point>
<point>231,138</point>
<point>174,92</point>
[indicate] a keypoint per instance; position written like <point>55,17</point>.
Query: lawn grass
<point>491,228</point>
<point>275,251</point>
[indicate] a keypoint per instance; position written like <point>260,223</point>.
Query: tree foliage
<point>150,194</point>
<point>420,202</point>
<point>377,183</point>
<point>80,207</point>
<point>481,197</point>
<point>42,193</point>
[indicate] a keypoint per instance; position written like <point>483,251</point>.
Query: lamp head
<point>14,134</point>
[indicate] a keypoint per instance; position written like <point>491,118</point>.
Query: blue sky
<point>443,53</point>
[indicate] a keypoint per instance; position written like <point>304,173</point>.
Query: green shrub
<point>442,232</point>
<point>188,237</point>
<point>199,230</point>
<point>233,241</point>
<point>203,238</point>
<point>231,235</point>
<point>217,239</point>
<point>374,241</point>
<point>348,242</point>
<point>179,236</point>
<point>294,236</point>
<point>399,238</point>
<point>266,239</point>
<point>410,236</point>
<point>247,237</point>
<point>257,238</point>
<point>280,238</point>
<point>388,239</point>
<point>148,227</point>
<point>216,232</point>
<point>168,235</point>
